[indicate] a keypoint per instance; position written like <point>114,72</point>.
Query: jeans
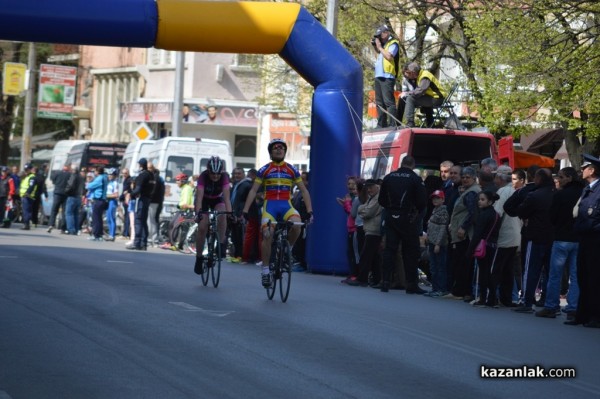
<point>563,254</point>
<point>141,222</point>
<point>72,214</point>
<point>437,266</point>
<point>111,217</point>
<point>536,259</point>
<point>97,223</point>
<point>153,223</point>
<point>59,203</point>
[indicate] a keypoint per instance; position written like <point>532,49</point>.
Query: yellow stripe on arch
<point>225,27</point>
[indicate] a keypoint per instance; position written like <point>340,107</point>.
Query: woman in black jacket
<point>487,227</point>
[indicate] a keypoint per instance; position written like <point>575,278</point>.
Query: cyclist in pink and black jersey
<point>278,178</point>
<point>212,192</point>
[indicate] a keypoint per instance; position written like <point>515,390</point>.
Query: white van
<point>135,151</point>
<point>175,155</point>
<point>59,157</point>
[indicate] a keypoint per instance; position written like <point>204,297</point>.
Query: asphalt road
<point>83,319</point>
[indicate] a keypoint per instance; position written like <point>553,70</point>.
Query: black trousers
<point>588,277</point>
<point>400,229</point>
<point>462,269</point>
<point>506,263</point>
<point>141,222</point>
<point>370,259</point>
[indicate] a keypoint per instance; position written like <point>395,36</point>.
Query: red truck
<point>383,149</point>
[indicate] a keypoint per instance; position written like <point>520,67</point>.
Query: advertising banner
<point>13,82</point>
<point>56,96</point>
<point>192,113</point>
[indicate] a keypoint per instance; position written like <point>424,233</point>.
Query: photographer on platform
<point>386,71</point>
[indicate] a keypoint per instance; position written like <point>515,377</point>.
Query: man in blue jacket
<point>97,189</point>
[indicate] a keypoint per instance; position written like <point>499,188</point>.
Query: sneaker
<point>266,280</point>
<point>415,290</point>
<point>523,309</point>
<point>450,296</point>
<point>236,260</point>
<point>478,304</point>
<point>571,316</point>
<point>259,263</point>
<point>546,312</point>
<point>468,298</point>
<point>50,229</point>
<point>199,265</point>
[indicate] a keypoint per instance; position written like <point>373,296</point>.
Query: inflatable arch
<point>286,29</point>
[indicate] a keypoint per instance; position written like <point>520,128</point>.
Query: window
<point>251,60</point>
<point>177,165</point>
<point>157,57</point>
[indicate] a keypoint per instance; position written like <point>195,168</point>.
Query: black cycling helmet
<point>277,141</point>
<point>215,165</point>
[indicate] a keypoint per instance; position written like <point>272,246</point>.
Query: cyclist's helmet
<point>277,141</point>
<point>215,165</point>
<point>181,177</point>
<point>113,171</point>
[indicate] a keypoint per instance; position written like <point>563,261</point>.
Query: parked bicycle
<point>281,266</point>
<point>212,249</point>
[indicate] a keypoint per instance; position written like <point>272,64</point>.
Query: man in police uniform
<point>143,191</point>
<point>403,196</point>
<point>27,191</point>
<point>587,224</point>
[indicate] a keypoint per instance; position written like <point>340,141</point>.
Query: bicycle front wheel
<point>207,262</point>
<point>285,270</point>
<point>216,269</point>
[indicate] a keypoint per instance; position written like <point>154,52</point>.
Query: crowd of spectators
<point>532,224</point>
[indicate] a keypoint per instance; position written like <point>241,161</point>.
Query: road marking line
<point>192,308</point>
<point>118,261</point>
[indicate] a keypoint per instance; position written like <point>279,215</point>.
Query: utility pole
<point>28,113</point>
<point>332,16</point>
<point>178,96</point>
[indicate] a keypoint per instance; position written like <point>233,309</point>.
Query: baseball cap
<point>28,166</point>
<point>438,193</point>
<point>381,29</point>
<point>143,162</point>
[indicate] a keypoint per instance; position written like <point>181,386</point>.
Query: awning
<point>544,141</point>
<point>524,159</point>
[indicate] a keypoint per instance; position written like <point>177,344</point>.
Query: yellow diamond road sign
<point>143,132</point>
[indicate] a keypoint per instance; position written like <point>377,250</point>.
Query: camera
<point>375,37</point>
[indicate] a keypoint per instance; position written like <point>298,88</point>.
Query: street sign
<point>143,132</point>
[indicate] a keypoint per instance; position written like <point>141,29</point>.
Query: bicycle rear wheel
<point>273,277</point>
<point>216,269</point>
<point>285,270</point>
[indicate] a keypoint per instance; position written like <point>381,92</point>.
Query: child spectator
<point>437,238</point>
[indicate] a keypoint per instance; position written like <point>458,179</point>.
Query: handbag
<point>480,249</point>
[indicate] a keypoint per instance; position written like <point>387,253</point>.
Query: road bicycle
<point>212,249</point>
<point>280,268</point>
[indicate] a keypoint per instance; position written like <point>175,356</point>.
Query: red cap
<point>438,193</point>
